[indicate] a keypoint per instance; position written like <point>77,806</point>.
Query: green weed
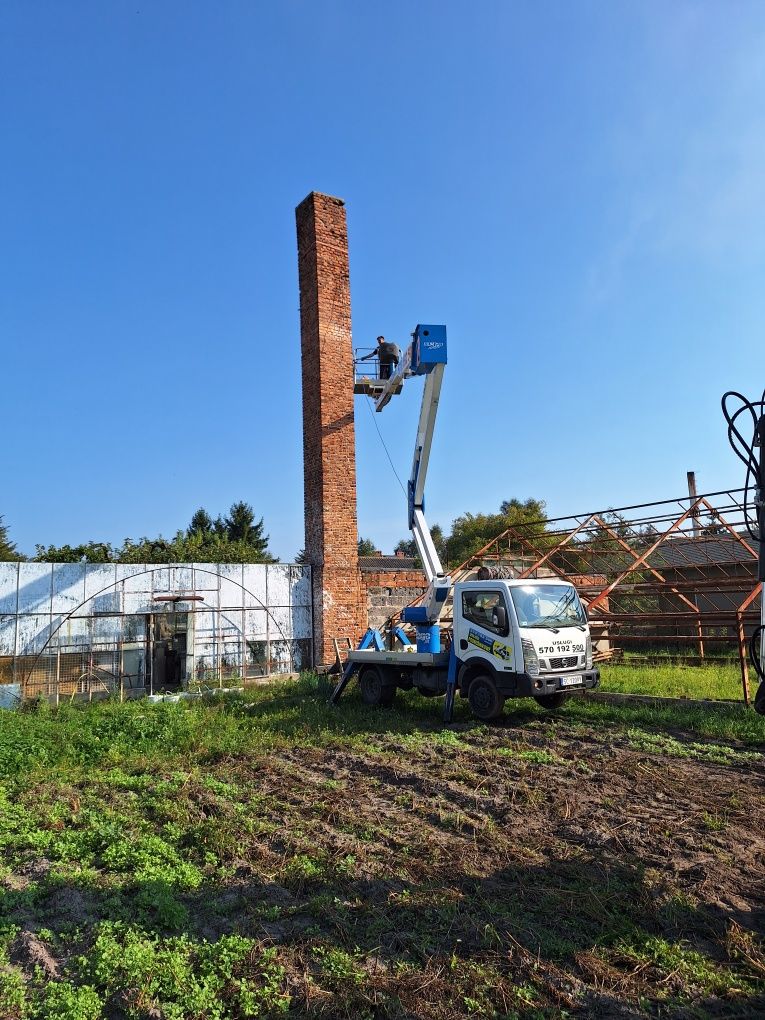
<point>150,858</point>
<point>182,978</point>
<point>65,1001</point>
<point>337,965</point>
<point>12,992</point>
<point>713,822</point>
<point>690,968</point>
<point>534,756</point>
<point>660,743</point>
<point>303,869</point>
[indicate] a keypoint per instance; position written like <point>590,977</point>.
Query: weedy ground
<point>267,855</point>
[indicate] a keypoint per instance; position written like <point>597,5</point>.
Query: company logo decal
<point>487,644</point>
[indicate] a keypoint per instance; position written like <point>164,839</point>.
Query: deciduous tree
<point>367,547</point>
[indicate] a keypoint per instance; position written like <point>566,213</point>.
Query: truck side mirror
<point>499,619</point>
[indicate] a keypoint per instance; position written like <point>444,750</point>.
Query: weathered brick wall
<point>388,591</point>
<point>329,449</point>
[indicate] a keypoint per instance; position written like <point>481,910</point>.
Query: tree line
<point>471,532</point>
<point>236,537</point>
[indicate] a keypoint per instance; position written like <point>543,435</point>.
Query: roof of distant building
<point>702,551</point>
<point>680,553</point>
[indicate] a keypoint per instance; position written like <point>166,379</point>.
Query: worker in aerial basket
<point>388,356</point>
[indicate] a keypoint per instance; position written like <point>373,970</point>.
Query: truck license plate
<point>571,681</point>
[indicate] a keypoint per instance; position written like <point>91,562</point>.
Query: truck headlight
<point>530,660</point>
<point>588,648</point>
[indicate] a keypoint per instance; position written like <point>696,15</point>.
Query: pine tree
<point>241,526</point>
<point>8,550</point>
<point>201,523</point>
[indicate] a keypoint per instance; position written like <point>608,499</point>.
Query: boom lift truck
<point>509,638</point>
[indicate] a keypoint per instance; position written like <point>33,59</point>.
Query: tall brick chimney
<point>329,446</point>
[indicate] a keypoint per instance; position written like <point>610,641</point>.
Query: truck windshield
<point>548,605</point>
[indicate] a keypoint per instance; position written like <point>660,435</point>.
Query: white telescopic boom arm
<point>426,356</point>
<point>422,537</point>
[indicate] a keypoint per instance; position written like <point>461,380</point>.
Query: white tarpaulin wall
<point>70,624</point>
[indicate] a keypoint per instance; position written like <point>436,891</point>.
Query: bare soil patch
<point>604,880</point>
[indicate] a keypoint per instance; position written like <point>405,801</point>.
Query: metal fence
<point>676,578</point>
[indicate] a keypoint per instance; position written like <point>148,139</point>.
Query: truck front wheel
<point>485,700</point>
<point>376,690</point>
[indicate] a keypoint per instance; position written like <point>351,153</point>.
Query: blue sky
<point>575,189</point>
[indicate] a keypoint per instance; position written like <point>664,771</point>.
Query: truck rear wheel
<point>485,700</point>
<point>550,701</point>
<point>376,690</point>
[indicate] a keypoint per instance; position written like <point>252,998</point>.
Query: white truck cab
<point>525,638</point>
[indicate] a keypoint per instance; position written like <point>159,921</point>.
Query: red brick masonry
<point>329,448</point>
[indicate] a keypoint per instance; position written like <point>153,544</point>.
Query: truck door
<point>485,631</point>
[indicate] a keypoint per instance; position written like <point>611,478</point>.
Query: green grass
<point>676,958</point>
<point>125,831</point>
<point>716,681</point>
<point>113,736</point>
<point>713,722</point>
<point>660,743</point>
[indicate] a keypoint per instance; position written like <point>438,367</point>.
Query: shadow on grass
<point>304,708</point>
<point>585,931</point>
